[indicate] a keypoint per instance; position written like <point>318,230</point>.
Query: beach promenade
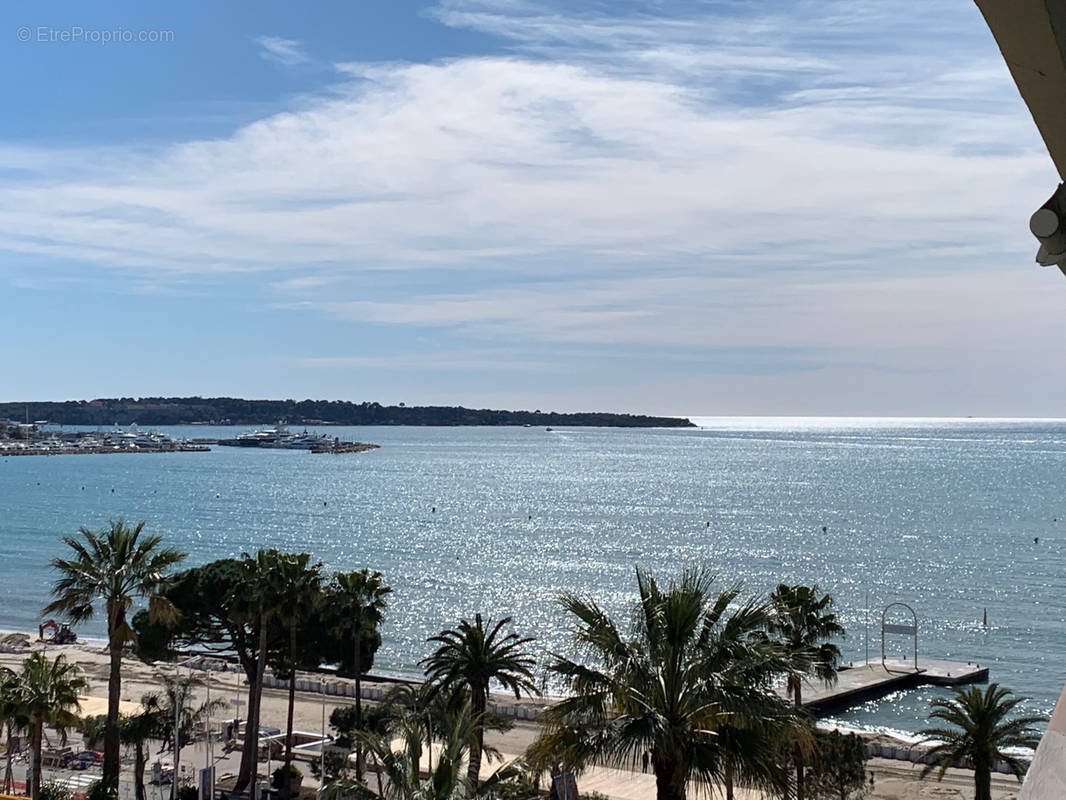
<point>894,780</point>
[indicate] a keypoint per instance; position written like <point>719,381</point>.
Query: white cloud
<point>490,162</point>
<point>809,176</point>
<point>285,51</point>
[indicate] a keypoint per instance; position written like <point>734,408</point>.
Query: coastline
<point>90,653</point>
<point>894,778</point>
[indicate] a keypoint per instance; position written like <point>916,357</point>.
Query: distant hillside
<point>233,411</point>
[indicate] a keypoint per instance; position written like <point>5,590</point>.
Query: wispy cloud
<point>285,51</point>
<point>512,165</point>
<point>469,361</point>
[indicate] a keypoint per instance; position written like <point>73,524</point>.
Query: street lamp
<point>177,722</point>
<point>208,747</point>
<point>322,737</point>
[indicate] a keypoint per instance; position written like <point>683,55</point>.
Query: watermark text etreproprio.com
<point>76,34</point>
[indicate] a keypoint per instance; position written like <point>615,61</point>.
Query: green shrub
<point>838,769</point>
<point>336,764</point>
<point>97,791</point>
<point>279,777</point>
<point>53,791</point>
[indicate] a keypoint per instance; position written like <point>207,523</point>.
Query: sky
<point>795,207</point>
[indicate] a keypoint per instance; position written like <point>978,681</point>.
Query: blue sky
<point>673,207</point>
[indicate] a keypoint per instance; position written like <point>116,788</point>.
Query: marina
<point>34,439</point>
<point>39,438</point>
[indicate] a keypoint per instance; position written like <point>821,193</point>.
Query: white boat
<point>278,438</point>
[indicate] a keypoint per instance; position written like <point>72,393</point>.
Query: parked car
<point>84,760</point>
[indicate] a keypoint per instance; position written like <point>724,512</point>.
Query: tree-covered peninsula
<point>234,411</point>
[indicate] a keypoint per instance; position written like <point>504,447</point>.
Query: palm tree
<point>148,723</point>
<point>472,656</point>
<point>363,596</point>
<point>379,720</point>
<point>803,622</point>
<point>433,709</point>
<point>748,750</point>
<point>117,566</point>
<point>691,678</point>
<point>403,767</point>
<point>93,729</point>
<point>48,695</point>
<point>177,697</point>
<point>257,599</point>
<point>297,591</point>
<point>12,718</point>
<point>979,732</point>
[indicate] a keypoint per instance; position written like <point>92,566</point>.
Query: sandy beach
<point>893,780</point>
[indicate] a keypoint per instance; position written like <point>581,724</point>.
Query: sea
<point>964,520</point>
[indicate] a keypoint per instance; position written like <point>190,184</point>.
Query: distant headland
<point>234,411</point>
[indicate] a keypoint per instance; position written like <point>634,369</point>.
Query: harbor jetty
<point>859,682</point>
<point>338,447</point>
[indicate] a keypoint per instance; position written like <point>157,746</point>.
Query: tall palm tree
<point>117,566</point>
<point>297,585</point>
<point>474,656</point>
<point>48,695</point>
<point>690,670</point>
<point>804,623</point>
<point>136,729</point>
<point>363,596</point>
<point>12,718</point>
<point>980,729</point>
<point>257,598</point>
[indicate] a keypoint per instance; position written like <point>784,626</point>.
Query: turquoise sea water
<point>940,514</point>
